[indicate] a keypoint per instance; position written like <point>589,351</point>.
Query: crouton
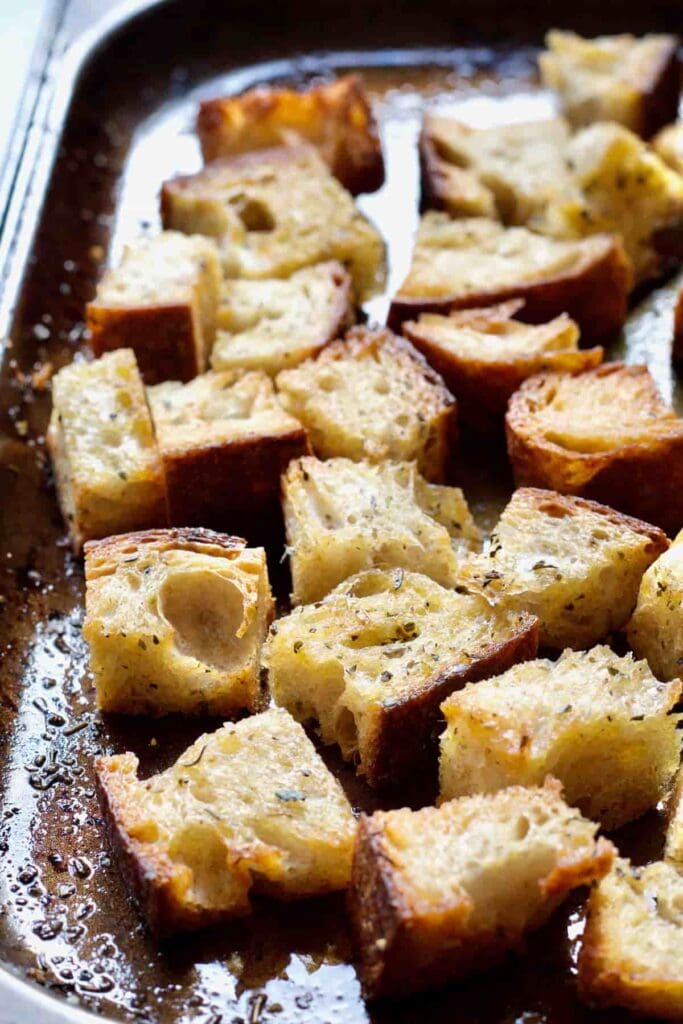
<point>373,397</point>
<point>604,433</point>
<point>374,659</point>
<point>440,893</point>
<point>161,302</point>
<point>335,117</point>
<point>273,212</point>
<point>655,631</point>
<point>175,620</point>
<point>460,264</point>
<point>484,355</point>
<point>599,723</point>
<point>668,145</point>
<point>575,564</point>
<point>250,806</point>
<point>107,467</point>
<point>273,325</point>
<point>342,517</point>
<point>632,81</point>
<point>225,441</point>
<point>632,953</point>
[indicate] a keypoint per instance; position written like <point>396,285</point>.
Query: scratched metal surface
<point>66,923</point>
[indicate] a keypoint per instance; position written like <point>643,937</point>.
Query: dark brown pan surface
<point>65,920</point>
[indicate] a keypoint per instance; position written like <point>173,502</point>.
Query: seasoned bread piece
<point>342,517</point>
<point>668,145</point>
<point>604,433</point>
<point>655,631</point>
<point>632,951</point>
<point>225,441</point>
<point>632,81</point>
<point>458,264</point>
<point>374,659</point>
<point>574,564</point>
<point>160,301</point>
<point>274,212</point>
<point>599,723</point>
<point>251,805</point>
<point>107,467</point>
<point>273,325</point>
<point>373,397</point>
<point>484,355</point>
<point>175,620</point>
<point>335,117</point>
<point>439,893</point>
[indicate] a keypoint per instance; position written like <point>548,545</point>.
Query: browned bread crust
<point>101,553</point>
<point>661,97</point>
<point>170,350</point>
<point>677,349</point>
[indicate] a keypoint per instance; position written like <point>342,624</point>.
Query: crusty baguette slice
<point>373,397</point>
<point>107,466</point>
<point>575,564</point>
<point>599,723</point>
<point>484,355</point>
<point>335,117</point>
<point>604,433</point>
<point>273,212</point>
<point>160,301</point>
<point>460,264</point>
<point>632,950</point>
<point>342,517</point>
<point>225,441</point>
<point>175,620</point>
<point>250,806</point>
<point>655,631</point>
<point>635,82</point>
<point>440,893</point>
<point>668,144</point>
<point>374,659</point>
<point>275,324</point>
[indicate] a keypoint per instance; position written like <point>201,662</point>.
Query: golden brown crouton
<point>440,893</point>
<point>335,117</point>
<point>655,631</point>
<point>668,145</point>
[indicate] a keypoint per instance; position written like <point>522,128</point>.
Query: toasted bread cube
<point>460,264</point>
<point>485,355</point>
<point>655,631</point>
<point>273,325</point>
<point>575,564</point>
<point>225,441</point>
<point>175,620</point>
<point>250,806</point>
<point>342,517</point>
<point>374,659</point>
<point>107,466</point>
<point>599,723</point>
<point>335,117</point>
<point>441,893</point>
<point>373,397</point>
<point>632,81</point>
<point>632,951</point>
<point>604,433</point>
<point>160,301</point>
<point>668,145</point>
<point>273,212</point>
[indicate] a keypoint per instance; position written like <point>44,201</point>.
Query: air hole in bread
<point>206,611</point>
<point>203,851</point>
<point>254,214</point>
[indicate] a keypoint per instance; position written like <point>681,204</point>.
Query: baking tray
<point>112,120</point>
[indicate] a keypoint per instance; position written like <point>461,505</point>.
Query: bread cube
<point>655,631</point>
<point>604,433</point>
<point>342,517</point>
<point>161,302</point>
<point>107,467</point>
<point>599,723</point>
<point>273,325</point>
<point>335,117</point>
<point>248,807</point>
<point>374,659</point>
<point>484,355</point>
<point>224,440</point>
<point>632,951</point>
<point>575,564</point>
<point>668,145</point>
<point>460,264</point>
<point>373,397</point>
<point>633,81</point>
<point>273,212</point>
<point>440,893</point>
<point>175,620</point>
